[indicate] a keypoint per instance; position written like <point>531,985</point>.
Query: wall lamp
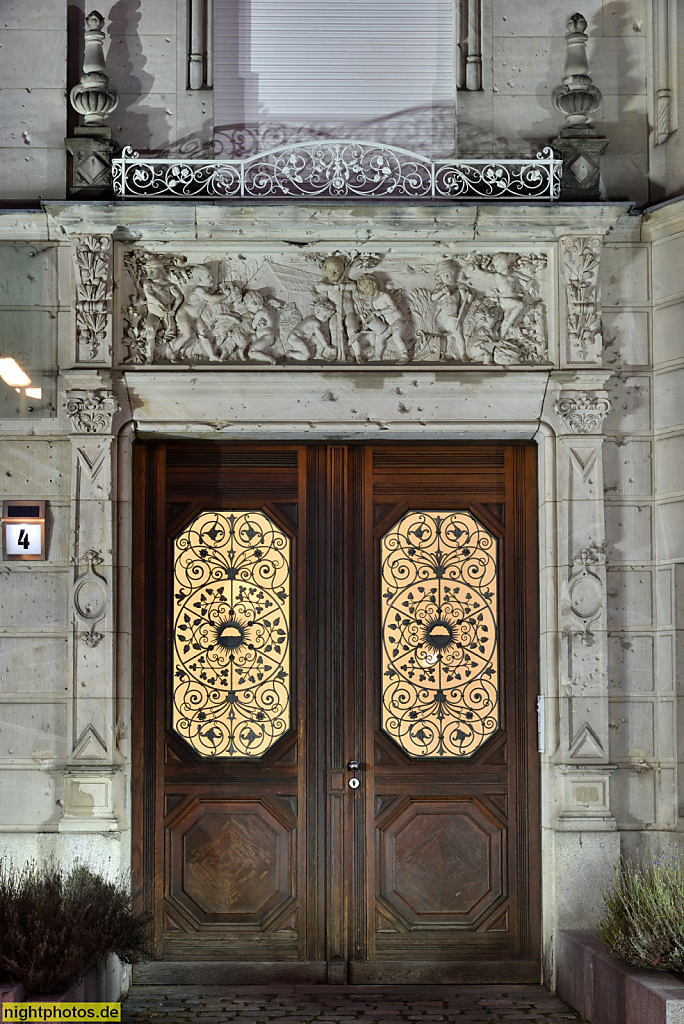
<point>14,377</point>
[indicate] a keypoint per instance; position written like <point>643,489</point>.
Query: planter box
<point>75,994</point>
<point>11,994</point>
<point>606,990</point>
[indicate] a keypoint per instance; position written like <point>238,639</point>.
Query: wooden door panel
<point>453,868</point>
<point>429,871</point>
<point>225,840</point>
<point>441,862</point>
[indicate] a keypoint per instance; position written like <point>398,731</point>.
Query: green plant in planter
<point>56,926</point>
<point>643,915</point>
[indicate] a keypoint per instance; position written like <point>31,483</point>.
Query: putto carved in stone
<point>581,262</point>
<point>339,307</point>
<point>584,412</point>
<point>92,265</point>
<point>91,412</point>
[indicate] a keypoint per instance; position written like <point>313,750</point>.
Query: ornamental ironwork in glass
<point>231,642</point>
<point>439,634</point>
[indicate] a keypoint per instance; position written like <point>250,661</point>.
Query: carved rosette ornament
<point>584,412</point>
<point>338,307</point>
<point>91,412</point>
<point>92,266</point>
<point>581,255</point>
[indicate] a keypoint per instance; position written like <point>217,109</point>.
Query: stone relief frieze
<point>92,266</point>
<point>581,256</point>
<point>336,308</point>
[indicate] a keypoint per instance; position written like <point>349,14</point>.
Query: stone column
<point>94,762</point>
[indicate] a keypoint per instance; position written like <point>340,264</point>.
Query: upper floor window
<point>373,70</point>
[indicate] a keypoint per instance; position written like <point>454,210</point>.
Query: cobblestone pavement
<point>362,1004</point>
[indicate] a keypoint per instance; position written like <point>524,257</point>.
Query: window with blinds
<point>373,70</point>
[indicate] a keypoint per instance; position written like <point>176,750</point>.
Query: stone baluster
<point>579,145</point>
<point>93,98</point>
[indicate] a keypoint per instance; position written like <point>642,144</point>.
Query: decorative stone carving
<point>92,266</point>
<point>93,97</point>
<point>586,591</point>
<point>91,412</point>
<point>583,413</point>
<point>90,599</point>
<point>340,307</point>
<point>581,255</point>
<point>579,145</point>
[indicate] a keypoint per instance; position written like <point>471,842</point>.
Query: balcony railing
<point>336,169</point>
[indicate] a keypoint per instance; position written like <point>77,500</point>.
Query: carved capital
<point>584,412</point>
<point>93,271</point>
<point>91,412</point>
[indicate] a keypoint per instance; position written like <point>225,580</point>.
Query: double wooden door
<point>302,608</point>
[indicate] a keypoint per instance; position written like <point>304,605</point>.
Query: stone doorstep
<point>606,990</point>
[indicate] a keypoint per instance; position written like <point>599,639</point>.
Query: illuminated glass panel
<point>231,643</point>
<point>439,634</point>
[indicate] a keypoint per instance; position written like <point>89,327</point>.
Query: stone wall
<point>604,411</point>
<point>512,115</point>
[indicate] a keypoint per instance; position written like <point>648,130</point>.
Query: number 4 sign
<point>23,530</point>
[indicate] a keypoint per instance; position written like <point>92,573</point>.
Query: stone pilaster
<point>93,763</point>
<point>583,747</point>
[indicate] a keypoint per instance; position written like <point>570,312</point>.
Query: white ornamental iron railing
<point>336,169</point>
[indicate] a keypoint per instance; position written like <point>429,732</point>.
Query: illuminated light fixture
<point>34,392</point>
<point>12,373</point>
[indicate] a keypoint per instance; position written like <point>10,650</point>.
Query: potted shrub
<point>643,916</point>
<point>57,926</point>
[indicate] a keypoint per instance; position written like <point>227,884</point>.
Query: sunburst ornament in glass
<point>440,679</point>
<point>231,642</point>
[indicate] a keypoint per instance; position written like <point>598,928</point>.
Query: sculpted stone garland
<point>482,308</point>
<point>439,634</point>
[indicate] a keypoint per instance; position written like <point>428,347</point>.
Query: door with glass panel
<point>336,777</point>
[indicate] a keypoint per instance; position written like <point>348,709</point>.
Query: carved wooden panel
<point>275,860</point>
<point>232,859</point>
<point>441,862</point>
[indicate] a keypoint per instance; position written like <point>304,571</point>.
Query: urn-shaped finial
<point>94,98</point>
<point>578,98</point>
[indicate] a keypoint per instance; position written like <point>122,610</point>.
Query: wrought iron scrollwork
<point>336,169</point>
<point>231,643</point>
<point>439,634</point>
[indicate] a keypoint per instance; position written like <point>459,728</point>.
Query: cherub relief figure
<point>449,298</point>
<point>310,337</point>
<point>192,326</point>
<point>339,289</point>
<point>263,324</point>
<point>163,298</point>
<point>491,276</point>
<point>383,321</point>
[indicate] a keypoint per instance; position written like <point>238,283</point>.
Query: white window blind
<point>375,70</point>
